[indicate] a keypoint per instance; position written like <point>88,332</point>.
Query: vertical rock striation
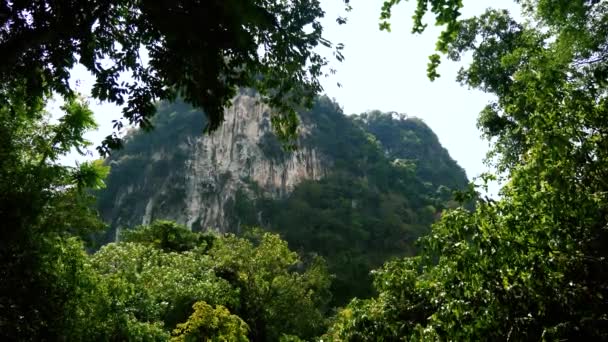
<point>216,166</point>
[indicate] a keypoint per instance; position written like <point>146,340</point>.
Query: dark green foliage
<point>533,264</point>
<point>166,235</point>
<point>242,210</point>
<point>139,290</point>
<point>355,226</point>
<point>200,51</point>
<point>370,207</point>
<point>272,148</point>
<point>161,271</point>
<point>207,323</point>
<point>278,294</point>
<point>529,266</point>
<point>43,209</point>
<point>411,140</point>
<point>175,123</point>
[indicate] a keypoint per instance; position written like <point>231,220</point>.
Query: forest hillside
<point>357,189</point>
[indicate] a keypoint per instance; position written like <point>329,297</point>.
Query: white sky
<point>385,71</point>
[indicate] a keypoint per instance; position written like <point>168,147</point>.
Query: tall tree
<point>278,294</point>
<point>240,288</point>
<point>532,265</point>
<point>43,209</point>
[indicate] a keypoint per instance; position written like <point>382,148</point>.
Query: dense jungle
<point>233,199</point>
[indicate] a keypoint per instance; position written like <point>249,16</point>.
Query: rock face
<point>232,157</point>
<point>196,187</point>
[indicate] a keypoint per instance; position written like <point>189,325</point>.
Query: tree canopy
<point>531,265</point>
<point>45,213</point>
<point>201,51</point>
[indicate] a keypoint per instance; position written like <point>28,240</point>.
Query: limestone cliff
<point>193,177</point>
<point>231,158</point>
<point>240,175</point>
